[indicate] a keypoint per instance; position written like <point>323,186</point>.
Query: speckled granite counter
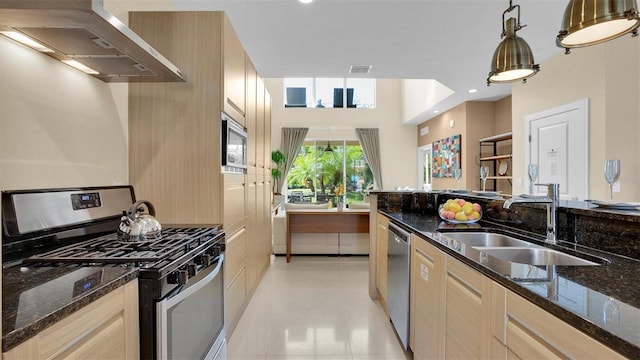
<point>587,297</point>
<point>34,298</point>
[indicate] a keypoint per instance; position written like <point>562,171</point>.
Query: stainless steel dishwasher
<point>398,281</point>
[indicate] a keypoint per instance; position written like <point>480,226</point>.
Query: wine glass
<point>533,175</point>
<point>611,173</point>
<point>611,312</point>
<point>457,173</point>
<point>484,173</point>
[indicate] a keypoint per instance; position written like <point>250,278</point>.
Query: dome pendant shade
<point>513,58</point>
<point>591,22</point>
<point>328,148</point>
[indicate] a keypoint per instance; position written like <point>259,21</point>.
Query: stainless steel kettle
<point>136,226</point>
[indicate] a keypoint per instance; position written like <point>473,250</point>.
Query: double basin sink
<point>510,249</point>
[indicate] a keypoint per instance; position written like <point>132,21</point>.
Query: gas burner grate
<point>173,243</point>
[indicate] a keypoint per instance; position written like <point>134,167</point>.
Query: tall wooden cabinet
<point>175,149</point>
<point>234,74</point>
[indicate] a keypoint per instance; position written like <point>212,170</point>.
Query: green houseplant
<point>276,172</point>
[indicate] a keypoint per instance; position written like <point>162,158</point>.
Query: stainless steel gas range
<point>181,290</point>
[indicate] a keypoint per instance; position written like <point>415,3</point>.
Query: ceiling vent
<point>359,69</point>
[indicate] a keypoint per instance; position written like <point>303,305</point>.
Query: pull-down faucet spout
<point>552,200</point>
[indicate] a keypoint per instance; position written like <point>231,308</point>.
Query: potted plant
<point>276,172</point>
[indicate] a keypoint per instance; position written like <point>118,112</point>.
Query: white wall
<point>607,74</point>
<point>419,95</point>
<point>58,127</point>
<point>398,142</point>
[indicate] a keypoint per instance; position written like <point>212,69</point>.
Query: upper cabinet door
<point>234,74</point>
<point>267,132</point>
<point>260,126</point>
<point>251,114</point>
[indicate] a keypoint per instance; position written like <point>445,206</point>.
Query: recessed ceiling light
<point>471,91</point>
<point>305,1</point>
<point>436,111</point>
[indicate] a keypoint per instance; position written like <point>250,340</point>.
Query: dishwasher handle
<point>399,233</point>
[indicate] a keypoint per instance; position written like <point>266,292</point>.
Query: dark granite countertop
<point>34,298</point>
<point>602,301</point>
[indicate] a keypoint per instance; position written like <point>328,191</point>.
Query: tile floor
<point>315,308</point>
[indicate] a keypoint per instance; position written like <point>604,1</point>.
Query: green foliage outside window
<point>317,173</point>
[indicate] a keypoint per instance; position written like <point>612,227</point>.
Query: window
<point>329,93</point>
<point>425,160</point>
<point>318,173</point>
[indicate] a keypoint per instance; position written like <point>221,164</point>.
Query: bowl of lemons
<point>460,211</point>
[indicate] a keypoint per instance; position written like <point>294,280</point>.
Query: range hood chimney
<point>82,30</point>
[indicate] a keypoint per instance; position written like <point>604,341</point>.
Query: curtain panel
<point>292,140</point>
<point>370,143</point>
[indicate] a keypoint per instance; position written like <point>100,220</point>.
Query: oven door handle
<point>170,302</point>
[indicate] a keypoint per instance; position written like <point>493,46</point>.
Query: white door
<point>424,167</point>
<point>558,143</point>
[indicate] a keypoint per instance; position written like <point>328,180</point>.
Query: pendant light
<point>328,148</point>
<point>513,58</point>
<point>591,22</point>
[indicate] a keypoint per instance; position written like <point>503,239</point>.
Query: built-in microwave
<point>234,146</point>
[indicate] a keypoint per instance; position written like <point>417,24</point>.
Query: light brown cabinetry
<point>532,333</point>
<point>235,276</point>
<point>260,127</point>
<point>381,258</point>
<point>251,115</point>
<point>174,129</point>
<point>234,206</point>
<point>466,312</point>
<point>267,133</point>
<point>263,231</point>
<point>427,300</point>
<point>458,313</point>
<point>105,329</point>
<point>175,149</point>
<point>234,74</point>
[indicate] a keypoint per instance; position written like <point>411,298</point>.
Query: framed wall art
<point>446,156</point>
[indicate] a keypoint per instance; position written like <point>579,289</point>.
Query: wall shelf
<point>489,155</point>
<point>497,157</point>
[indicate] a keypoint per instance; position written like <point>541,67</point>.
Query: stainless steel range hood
<point>84,31</point>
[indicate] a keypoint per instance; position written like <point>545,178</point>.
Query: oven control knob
<point>192,269</point>
<point>206,259</point>
<point>182,277</point>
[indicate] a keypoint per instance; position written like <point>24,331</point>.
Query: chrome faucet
<point>552,201</point>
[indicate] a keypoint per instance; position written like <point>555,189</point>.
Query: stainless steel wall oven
<point>180,281</point>
<point>234,145</point>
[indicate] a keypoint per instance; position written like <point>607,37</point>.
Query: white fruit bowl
<point>454,221</point>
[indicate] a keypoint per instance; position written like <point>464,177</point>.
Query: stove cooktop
<point>173,245</point>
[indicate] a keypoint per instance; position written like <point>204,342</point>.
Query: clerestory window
<point>329,93</point>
